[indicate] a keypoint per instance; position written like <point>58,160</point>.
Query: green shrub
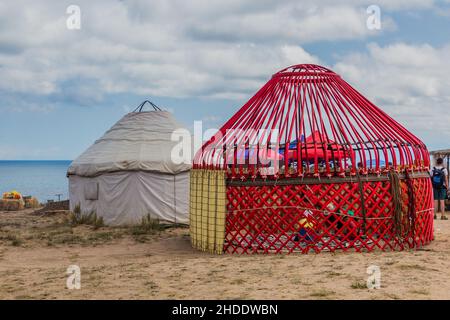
<point>77,217</point>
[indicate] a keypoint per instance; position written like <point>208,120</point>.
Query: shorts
<point>439,194</point>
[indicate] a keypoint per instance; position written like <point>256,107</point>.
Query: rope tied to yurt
<point>325,212</point>
<point>363,202</point>
<point>397,202</point>
<point>411,204</point>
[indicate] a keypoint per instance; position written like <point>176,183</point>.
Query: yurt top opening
<point>307,121</point>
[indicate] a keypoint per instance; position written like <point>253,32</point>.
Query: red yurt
<point>308,165</point>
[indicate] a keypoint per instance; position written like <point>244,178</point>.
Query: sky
<point>62,87</point>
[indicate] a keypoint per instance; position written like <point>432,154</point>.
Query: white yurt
<point>128,173</point>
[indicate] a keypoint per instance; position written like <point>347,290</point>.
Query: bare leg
<point>436,207</point>
<point>442,202</point>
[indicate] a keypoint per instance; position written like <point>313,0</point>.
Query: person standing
<point>439,178</point>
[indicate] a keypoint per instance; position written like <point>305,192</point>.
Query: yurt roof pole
<point>141,106</point>
<point>305,99</point>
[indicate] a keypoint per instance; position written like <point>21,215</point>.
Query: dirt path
<point>164,266</point>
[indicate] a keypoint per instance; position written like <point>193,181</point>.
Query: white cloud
<point>298,22</point>
<point>404,4</point>
<point>168,48</point>
<point>409,82</point>
<point>222,49</point>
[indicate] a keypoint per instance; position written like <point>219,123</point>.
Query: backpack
<point>438,178</point>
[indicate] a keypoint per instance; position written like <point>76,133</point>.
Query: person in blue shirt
<point>439,178</point>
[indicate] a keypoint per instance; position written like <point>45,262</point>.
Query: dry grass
<point>153,261</point>
<point>332,274</point>
<point>322,293</point>
<point>13,239</point>
<point>71,228</point>
<point>77,217</point>
<point>423,292</point>
<point>359,285</point>
<point>412,267</point>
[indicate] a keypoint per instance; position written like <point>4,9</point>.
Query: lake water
<point>41,179</point>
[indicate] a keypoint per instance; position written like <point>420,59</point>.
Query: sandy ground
<point>115,263</point>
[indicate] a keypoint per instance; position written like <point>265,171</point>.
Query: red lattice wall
<point>273,218</point>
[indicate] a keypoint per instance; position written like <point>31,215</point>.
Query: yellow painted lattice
<point>207,210</point>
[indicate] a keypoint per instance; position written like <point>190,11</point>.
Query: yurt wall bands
<point>311,165</point>
<point>207,210</point>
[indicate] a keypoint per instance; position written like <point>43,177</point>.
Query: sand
<point>35,251</point>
